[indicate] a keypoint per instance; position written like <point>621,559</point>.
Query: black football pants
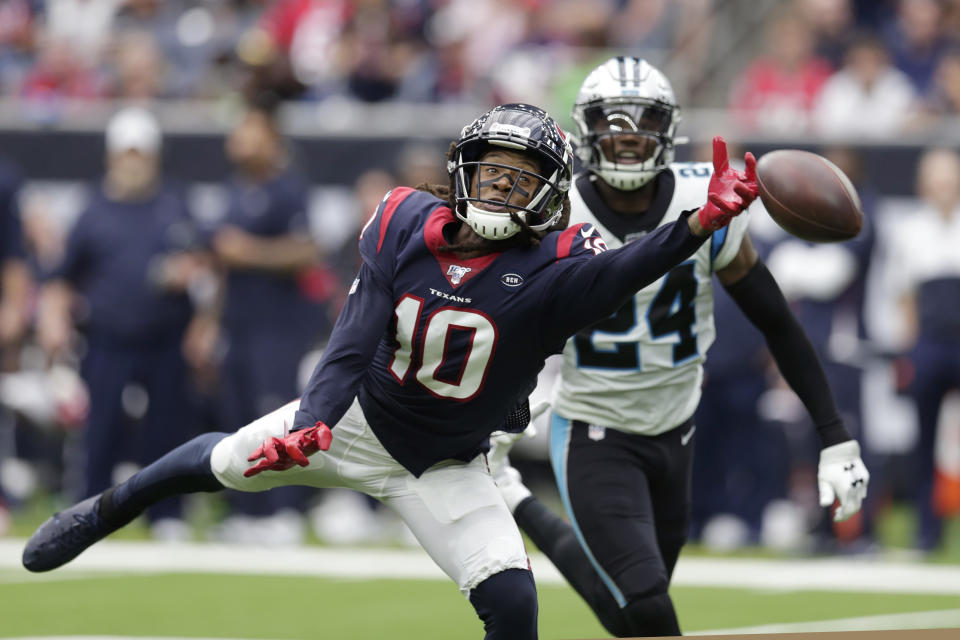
<point>628,496</point>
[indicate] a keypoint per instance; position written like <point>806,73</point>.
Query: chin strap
<point>492,225</point>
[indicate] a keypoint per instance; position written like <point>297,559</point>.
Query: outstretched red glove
<point>279,454</point>
<point>730,191</point>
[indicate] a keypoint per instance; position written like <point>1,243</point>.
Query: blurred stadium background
<point>372,91</point>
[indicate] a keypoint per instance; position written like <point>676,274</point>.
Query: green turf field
<point>250,606</point>
<point>154,591</point>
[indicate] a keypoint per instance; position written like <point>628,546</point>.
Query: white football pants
<point>454,509</point>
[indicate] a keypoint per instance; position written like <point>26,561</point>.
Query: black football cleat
<point>65,535</point>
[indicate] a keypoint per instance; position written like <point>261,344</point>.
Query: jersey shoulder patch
<point>580,239</point>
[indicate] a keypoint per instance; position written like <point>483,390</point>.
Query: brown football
<point>809,196</point>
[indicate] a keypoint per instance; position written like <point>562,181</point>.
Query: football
<point>809,196</point>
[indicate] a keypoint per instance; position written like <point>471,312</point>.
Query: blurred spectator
<point>489,29</point>
<point>384,50</point>
<point>15,292</point>
<point>951,16</point>
<point>871,15</point>
<point>943,99</point>
<point>927,278</point>
<point>58,74</point>
<point>17,40</point>
<point>128,263</point>
<point>916,40</point>
<point>269,323</point>
<point>777,90</point>
<point>678,32</point>
<point>832,23</point>
<point>446,74</point>
<point>16,282</point>
<point>48,212</point>
<point>472,40</point>
<point>306,34</point>
<point>572,23</point>
<point>867,98</point>
<point>83,26</point>
<point>194,39</point>
<point>421,162</point>
<point>140,70</point>
<point>425,51</point>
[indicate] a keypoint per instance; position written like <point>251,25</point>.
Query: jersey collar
<point>456,270</point>
<point>620,225</point>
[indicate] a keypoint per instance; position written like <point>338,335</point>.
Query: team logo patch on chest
<point>511,279</point>
<point>456,273</point>
<point>596,433</point>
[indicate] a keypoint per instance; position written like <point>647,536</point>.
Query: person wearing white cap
<point>133,142</point>
<point>129,258</point>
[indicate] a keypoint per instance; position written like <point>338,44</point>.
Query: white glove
<point>842,476</point>
<point>536,411</point>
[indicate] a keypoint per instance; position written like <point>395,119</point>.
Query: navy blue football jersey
<point>439,349</point>
<point>111,256</point>
<point>257,299</point>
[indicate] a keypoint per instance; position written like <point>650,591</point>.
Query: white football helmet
<point>519,127</point>
<point>626,117</point>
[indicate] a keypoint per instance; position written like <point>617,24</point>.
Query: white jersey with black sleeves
<point>640,370</point>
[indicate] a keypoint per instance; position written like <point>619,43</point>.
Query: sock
<point>507,604</point>
<point>186,469</point>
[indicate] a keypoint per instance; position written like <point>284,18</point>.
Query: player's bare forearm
<point>286,253</point>
<point>239,249</point>
<point>15,305</point>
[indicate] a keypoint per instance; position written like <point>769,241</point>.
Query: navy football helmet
<point>516,127</point>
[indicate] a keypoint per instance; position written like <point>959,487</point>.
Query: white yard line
<point>948,618</point>
<point>828,574</point>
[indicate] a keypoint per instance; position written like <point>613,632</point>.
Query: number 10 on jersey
<point>455,346</point>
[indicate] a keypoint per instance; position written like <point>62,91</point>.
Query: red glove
<point>279,454</point>
<point>730,191</point>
